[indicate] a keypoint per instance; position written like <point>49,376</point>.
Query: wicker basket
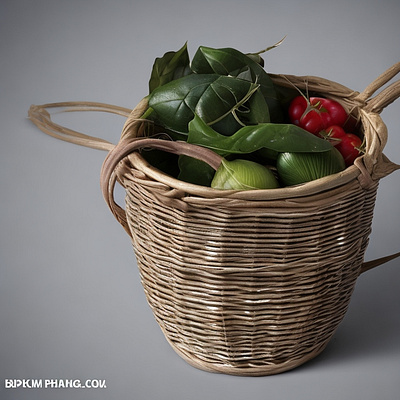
<point>246,282</point>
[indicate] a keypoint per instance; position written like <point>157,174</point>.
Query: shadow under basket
<point>245,282</point>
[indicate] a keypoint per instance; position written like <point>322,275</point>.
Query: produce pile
<point>268,135</point>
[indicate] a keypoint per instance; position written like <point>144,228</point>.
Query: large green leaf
<point>173,65</point>
<point>276,137</point>
<point>212,97</point>
<point>232,62</point>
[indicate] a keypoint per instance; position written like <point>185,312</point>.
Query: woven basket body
<point>250,282</point>
<point>248,288</point>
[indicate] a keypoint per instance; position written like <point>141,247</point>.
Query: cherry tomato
<point>333,133</point>
<point>316,114</point>
<point>349,147</point>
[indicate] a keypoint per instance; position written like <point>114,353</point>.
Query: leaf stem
<point>270,47</point>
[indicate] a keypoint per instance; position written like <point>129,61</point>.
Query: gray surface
<point>71,302</point>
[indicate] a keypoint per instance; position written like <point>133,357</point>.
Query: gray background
<point>71,304</point>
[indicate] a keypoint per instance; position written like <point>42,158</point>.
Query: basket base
<point>249,370</point>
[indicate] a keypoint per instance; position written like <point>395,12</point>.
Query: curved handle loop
<point>41,117</point>
<point>366,95</point>
<point>387,96</point>
<point>128,145</point>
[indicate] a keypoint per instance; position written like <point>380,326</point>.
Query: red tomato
<point>333,133</point>
<point>349,147</point>
<point>316,114</point>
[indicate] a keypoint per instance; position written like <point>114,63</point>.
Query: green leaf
<point>195,171</point>
<point>276,137</point>
<point>285,95</point>
<point>212,97</point>
<point>231,62</point>
<point>171,66</point>
<point>162,160</point>
<point>255,110</point>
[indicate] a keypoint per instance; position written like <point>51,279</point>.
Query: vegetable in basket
<point>225,100</point>
<point>316,114</point>
<point>243,175</point>
<point>348,144</point>
<point>277,138</point>
<point>297,168</point>
<point>217,99</point>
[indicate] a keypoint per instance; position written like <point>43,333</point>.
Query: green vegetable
<point>272,137</point>
<point>297,168</point>
<point>213,97</point>
<point>243,175</point>
<point>231,62</point>
<point>277,137</point>
<point>195,171</point>
<point>173,65</point>
<point>226,101</point>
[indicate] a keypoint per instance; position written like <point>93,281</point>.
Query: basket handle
<point>385,97</point>
<point>126,146</point>
<point>375,165</point>
<point>376,105</point>
<point>41,117</point>
<point>377,262</point>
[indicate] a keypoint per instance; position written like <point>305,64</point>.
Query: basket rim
<point>366,170</point>
<point>309,188</point>
<point>134,129</point>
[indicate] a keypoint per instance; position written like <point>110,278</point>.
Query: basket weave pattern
<point>248,290</point>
